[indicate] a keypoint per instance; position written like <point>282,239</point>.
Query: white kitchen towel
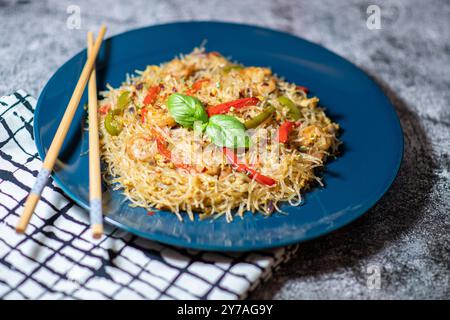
<point>58,259</point>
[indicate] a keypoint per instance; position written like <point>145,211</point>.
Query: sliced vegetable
<point>163,150</point>
<point>152,94</point>
<point>284,131</point>
<point>294,112</point>
<point>236,104</point>
<point>113,125</point>
<point>123,100</point>
<point>239,167</point>
<point>144,112</point>
<point>227,131</point>
<point>231,67</point>
<point>302,88</point>
<point>186,110</point>
<point>260,118</point>
<point>104,109</point>
<point>197,85</point>
<point>161,144</point>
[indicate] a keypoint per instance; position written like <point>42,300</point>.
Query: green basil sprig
<point>223,130</point>
<point>227,131</point>
<point>186,110</point>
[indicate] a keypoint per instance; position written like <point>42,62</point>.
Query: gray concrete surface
<point>406,235</point>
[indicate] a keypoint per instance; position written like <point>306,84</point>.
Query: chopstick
<point>95,187</point>
<point>52,154</point>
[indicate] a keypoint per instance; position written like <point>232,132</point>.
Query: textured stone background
<point>407,233</point>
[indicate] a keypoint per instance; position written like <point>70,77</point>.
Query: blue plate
<point>354,182</point>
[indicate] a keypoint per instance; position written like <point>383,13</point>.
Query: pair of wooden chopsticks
<point>95,194</point>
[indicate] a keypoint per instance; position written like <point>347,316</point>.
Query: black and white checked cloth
<point>58,259</point>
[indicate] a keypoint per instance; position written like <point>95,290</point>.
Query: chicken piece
<point>311,102</point>
<point>225,171</point>
<point>160,118</point>
<point>256,74</point>
<point>266,87</point>
<point>332,128</point>
<point>316,138</point>
<point>178,69</point>
<point>213,60</point>
<point>213,170</point>
<point>261,79</point>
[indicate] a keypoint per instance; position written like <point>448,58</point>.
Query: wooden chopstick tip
<point>97,231</point>
<point>20,230</point>
<point>102,31</point>
<point>90,37</point>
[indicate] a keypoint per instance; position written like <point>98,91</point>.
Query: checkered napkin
<point>58,259</point>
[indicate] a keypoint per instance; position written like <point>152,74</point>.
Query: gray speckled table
<point>407,234</point>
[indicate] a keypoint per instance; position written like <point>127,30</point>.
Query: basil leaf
<point>186,110</point>
<point>227,131</point>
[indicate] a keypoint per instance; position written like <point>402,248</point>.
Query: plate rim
<point>170,240</point>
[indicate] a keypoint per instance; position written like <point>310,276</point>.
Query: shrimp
<point>141,147</point>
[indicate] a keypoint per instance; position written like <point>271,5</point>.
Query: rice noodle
<point>218,189</point>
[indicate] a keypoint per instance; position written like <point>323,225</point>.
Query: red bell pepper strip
<point>237,104</point>
<point>162,149</point>
<point>152,93</point>
<point>253,174</point>
<point>284,130</point>
<point>144,112</point>
<point>161,145</point>
<point>104,110</point>
<point>302,88</point>
<point>196,86</point>
<point>199,83</point>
